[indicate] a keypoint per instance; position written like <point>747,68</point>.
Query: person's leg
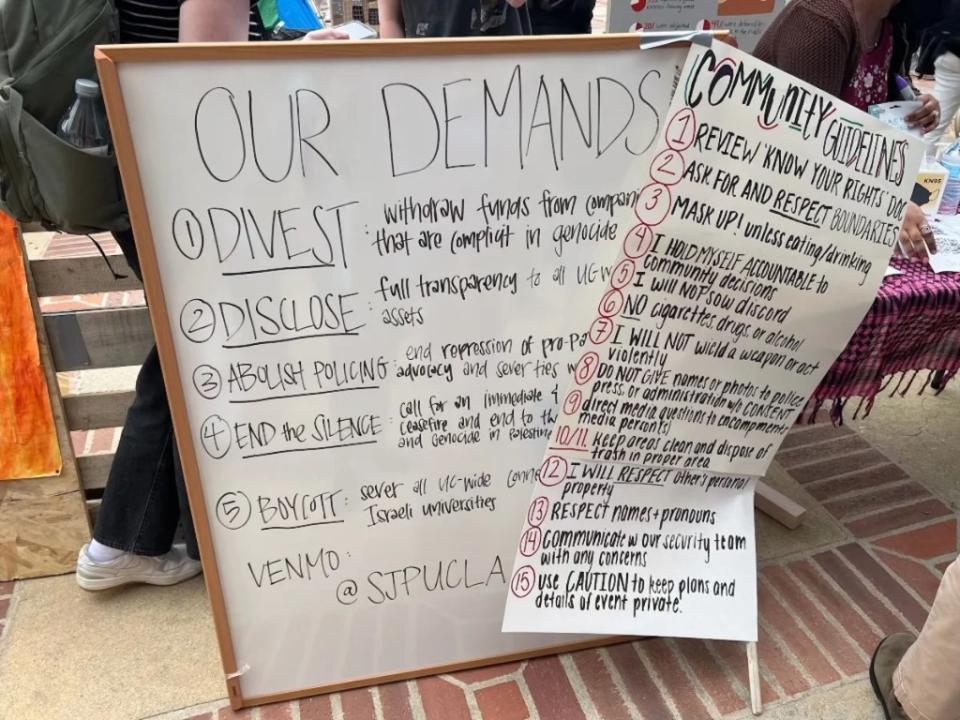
<point>947,90</point>
<point>926,681</point>
<point>916,679</point>
<point>186,519</point>
<point>141,507</point>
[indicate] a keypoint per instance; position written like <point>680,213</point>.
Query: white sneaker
<point>169,569</point>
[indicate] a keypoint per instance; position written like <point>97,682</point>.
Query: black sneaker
<point>884,663</point>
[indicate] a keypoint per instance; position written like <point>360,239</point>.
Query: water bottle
<point>951,188</point>
<point>85,124</point>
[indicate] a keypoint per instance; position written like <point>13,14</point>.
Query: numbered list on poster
<point>763,232</point>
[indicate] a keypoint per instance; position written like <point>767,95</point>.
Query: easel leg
<point>753,672</point>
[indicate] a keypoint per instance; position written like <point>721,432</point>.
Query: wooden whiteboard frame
<point>107,58</point>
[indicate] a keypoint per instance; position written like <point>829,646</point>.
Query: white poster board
<point>375,263</point>
<point>763,232</point>
<point>745,19</point>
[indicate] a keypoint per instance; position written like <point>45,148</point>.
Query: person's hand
<point>517,3</point>
<point>327,34</point>
<point>916,236</point>
<point>927,116</point>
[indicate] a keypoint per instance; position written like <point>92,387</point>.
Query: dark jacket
<point>939,37</point>
<point>561,17</point>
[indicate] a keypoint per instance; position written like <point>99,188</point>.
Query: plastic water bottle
<point>951,188</point>
<point>85,124</point>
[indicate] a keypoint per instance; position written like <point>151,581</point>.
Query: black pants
<point>145,498</point>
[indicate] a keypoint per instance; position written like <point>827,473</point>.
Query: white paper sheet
<point>946,229</point>
<point>763,233</point>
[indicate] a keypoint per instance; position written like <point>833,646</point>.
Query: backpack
<point>45,45</point>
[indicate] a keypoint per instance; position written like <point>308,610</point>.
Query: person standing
<point>145,497</point>
<point>947,71</point>
<point>855,50</point>
<point>452,18</point>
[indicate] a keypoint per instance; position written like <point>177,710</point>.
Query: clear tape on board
<point>651,40</point>
<point>242,669</point>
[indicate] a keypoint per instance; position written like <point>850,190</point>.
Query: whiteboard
<point>396,262</point>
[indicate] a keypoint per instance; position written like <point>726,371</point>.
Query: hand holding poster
<point>764,232</point>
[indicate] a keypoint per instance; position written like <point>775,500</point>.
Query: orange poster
<point>28,437</point>
<point>744,7</point>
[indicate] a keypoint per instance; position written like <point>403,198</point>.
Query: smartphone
<point>358,30</point>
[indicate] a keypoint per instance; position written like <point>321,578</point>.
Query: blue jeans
<point>145,498</point>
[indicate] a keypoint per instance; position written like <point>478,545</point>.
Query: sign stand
<point>753,671</point>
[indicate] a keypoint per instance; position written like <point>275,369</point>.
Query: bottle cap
<point>87,88</point>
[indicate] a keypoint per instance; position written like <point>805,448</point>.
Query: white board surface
<point>385,588</point>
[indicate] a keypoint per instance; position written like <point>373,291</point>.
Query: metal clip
<point>651,40</point>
